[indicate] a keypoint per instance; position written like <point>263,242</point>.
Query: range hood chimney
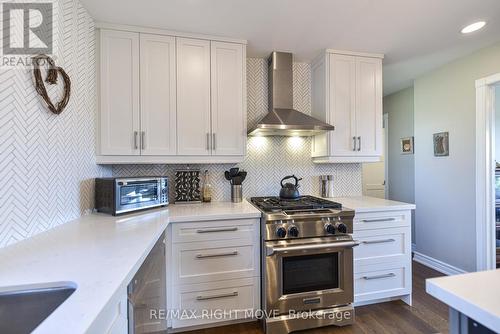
<point>282,119</point>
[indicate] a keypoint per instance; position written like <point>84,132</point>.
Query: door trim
<point>485,172</point>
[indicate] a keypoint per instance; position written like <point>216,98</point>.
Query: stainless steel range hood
<point>282,119</point>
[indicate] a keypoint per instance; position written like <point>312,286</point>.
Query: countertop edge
<point>468,308</point>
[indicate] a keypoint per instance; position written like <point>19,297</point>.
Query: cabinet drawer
<point>380,282</point>
<point>209,301</point>
<point>247,229</point>
<point>380,220</point>
<point>382,246</point>
<point>215,260</point>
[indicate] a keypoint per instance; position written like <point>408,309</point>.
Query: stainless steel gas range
<point>307,263</point>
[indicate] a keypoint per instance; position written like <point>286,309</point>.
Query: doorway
<point>486,228</point>
<point>375,173</point>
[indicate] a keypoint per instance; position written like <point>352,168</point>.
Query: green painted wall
<point>445,186</point>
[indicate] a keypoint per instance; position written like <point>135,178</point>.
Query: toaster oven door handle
<point>349,244</point>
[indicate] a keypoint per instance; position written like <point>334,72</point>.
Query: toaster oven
<point>121,195</point>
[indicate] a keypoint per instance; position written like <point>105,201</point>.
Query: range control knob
<point>341,227</point>
<point>293,231</point>
<point>281,232</point>
<point>329,228</point>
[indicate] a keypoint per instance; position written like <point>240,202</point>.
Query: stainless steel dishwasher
<point>147,293</point>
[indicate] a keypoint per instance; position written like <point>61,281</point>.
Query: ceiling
<point>415,35</point>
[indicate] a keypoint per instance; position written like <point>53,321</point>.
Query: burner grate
<point>275,204</point>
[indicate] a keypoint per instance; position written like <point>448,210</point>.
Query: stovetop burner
<point>276,204</point>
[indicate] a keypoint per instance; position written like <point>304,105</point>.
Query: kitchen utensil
<point>233,171</point>
<point>290,190</point>
<point>227,175</point>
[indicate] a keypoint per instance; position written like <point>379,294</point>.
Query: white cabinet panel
<point>342,105</point>
<point>369,106</point>
<point>119,100</point>
<point>353,104</point>
<point>228,105</point>
<point>193,97</point>
<point>158,95</point>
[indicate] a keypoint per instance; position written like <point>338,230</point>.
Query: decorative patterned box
<point>187,186</point>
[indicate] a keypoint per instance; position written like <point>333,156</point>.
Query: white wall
<point>401,167</point>
<point>497,124</point>
<point>47,161</point>
<point>445,186</point>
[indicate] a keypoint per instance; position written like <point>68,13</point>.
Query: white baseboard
<point>438,265</point>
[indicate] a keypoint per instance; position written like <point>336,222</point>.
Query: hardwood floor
<point>427,315</point>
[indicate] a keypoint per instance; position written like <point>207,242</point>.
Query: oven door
<point>136,194</point>
<point>303,276</point>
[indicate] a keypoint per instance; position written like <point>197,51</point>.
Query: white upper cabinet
<point>170,99</point>
<point>228,99</point>
<point>158,95</point>
<point>119,100</point>
<point>347,93</point>
<point>369,106</point>
<point>193,97</point>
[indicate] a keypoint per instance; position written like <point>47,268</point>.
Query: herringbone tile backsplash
<point>47,162</point>
<point>269,158</point>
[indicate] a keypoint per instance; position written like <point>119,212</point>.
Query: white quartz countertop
<point>474,294</point>
<point>99,254</point>
<point>371,204</point>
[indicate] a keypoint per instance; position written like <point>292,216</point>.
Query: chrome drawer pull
<point>378,241</point>
<point>201,256</point>
<point>379,276</point>
<point>224,229</point>
<point>232,294</point>
<point>378,220</point>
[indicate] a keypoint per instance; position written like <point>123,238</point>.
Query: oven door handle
<point>271,250</point>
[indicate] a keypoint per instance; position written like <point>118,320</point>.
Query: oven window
<point>310,273</point>
<point>138,193</point>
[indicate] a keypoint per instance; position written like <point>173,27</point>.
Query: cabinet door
<point>119,86</point>
<point>193,97</point>
<point>158,100</point>
<point>369,106</point>
<point>228,105</point>
<point>342,100</point>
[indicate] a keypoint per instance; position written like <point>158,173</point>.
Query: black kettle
<point>290,190</point>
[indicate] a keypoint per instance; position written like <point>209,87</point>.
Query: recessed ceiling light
<point>473,27</point>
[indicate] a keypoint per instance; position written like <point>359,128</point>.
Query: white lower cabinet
<point>382,261</point>
<point>214,272</point>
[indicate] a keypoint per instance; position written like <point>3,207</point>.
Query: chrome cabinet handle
<point>232,294</point>
<point>135,140</point>
<point>213,141</point>
<point>206,256</point>
<point>143,142</point>
<point>359,140</point>
<point>354,143</point>
<point>378,220</point>
<point>212,230</point>
<point>371,242</point>
<point>379,276</point>
<point>208,141</point>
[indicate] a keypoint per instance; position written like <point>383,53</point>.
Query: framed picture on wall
<point>441,144</point>
<point>407,145</point>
